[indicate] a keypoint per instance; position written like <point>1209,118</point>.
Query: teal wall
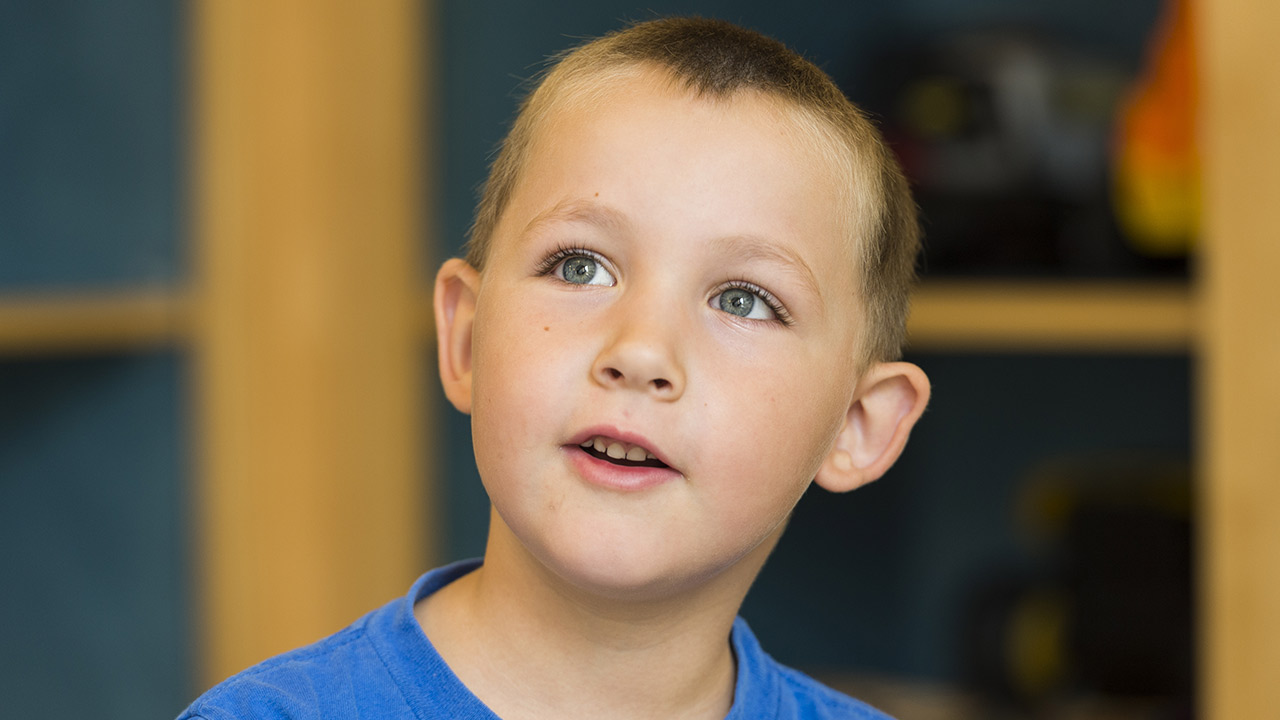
<point>93,456</point>
<point>90,155</point>
<point>92,525</point>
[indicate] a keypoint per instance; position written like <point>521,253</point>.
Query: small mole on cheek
<point>546,329</point>
<point>597,194</point>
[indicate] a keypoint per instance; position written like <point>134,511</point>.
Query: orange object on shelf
<point>1157,164</point>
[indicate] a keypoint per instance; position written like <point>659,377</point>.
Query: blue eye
<point>583,270</point>
<point>745,304</point>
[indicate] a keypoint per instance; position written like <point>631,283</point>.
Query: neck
<point>531,646</point>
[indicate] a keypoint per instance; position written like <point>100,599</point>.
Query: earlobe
<point>888,401</point>
<point>457,287</point>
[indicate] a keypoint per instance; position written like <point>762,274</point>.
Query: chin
<point>630,574</point>
<point>635,589</point>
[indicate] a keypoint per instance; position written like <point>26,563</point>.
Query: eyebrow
<point>577,210</point>
<point>752,247</point>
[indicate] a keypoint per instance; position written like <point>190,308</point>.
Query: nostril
<point>613,375</point>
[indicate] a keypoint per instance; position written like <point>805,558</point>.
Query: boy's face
<point>671,274</point>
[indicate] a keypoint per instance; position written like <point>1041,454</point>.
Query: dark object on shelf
<point>1107,608</point>
<point>1007,140</point>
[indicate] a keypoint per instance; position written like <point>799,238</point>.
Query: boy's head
<point>719,61</point>
<point>666,331</point>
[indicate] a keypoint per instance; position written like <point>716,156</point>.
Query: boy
<point>685,287</point>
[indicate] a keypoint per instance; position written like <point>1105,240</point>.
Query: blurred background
<point>221,435</point>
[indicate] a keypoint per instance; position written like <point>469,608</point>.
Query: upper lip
<point>614,433</point>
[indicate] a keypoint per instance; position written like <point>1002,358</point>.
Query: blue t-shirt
<point>382,666</point>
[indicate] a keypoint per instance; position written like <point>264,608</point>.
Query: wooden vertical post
<point>1240,360</point>
<point>308,382</point>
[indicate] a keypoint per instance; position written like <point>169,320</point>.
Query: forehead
<point>589,94</point>
<point>636,129</point>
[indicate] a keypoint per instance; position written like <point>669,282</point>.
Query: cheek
<point>508,343</point>
<point>501,365</point>
<point>778,420</point>
<point>520,360</point>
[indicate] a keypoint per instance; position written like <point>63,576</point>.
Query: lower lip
<point>605,474</point>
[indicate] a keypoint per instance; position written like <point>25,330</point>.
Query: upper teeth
<point>618,450</point>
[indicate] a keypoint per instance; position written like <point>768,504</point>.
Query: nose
<point>642,353</point>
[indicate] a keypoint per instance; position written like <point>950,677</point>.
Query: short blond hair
<point>719,60</point>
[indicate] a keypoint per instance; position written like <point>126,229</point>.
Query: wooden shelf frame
<point>312,436</point>
<point>93,322</point>
<point>1053,316</point>
<point>1238,420</point>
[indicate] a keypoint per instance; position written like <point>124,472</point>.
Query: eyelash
<point>770,300</point>
<point>564,252</point>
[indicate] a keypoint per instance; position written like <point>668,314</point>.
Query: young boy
<point>685,289</point>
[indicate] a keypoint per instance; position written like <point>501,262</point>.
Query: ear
<point>887,402</point>
<point>457,287</point>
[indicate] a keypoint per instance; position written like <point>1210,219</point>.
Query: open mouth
<point>620,453</point>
